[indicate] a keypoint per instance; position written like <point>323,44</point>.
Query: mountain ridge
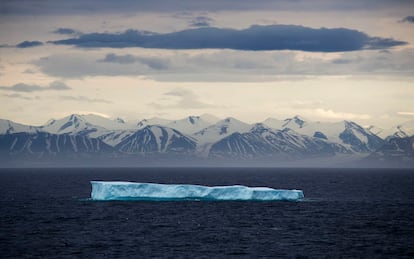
<point>229,138</point>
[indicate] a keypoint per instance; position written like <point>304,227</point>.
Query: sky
<point>324,60</point>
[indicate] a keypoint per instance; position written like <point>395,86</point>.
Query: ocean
<point>347,213</point>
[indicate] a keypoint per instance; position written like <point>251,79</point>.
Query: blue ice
<point>105,190</point>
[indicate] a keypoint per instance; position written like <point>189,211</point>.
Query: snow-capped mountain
<point>153,121</point>
<point>220,130</point>
<point>157,139</point>
<point>262,141</point>
<point>73,124</point>
<point>346,133</point>
<point>375,130</point>
<point>294,123</point>
<point>211,119</point>
<point>400,131</point>
<point>109,131</point>
<point>43,144</point>
<point>114,137</point>
<point>396,149</point>
<point>213,133</point>
<point>197,136</point>
<point>189,125</point>
<point>82,124</point>
<point>109,124</point>
<point>9,127</point>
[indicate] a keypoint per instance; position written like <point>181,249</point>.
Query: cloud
<point>83,99</point>
<point>21,87</point>
<point>59,7</point>
<point>342,61</point>
<point>228,65</point>
<point>201,21</point>
<point>409,19</point>
<point>151,62</point>
<point>406,113</point>
<point>330,114</point>
<point>29,71</point>
<point>255,38</point>
<point>18,96</point>
<point>186,100</point>
<point>58,85</point>
<point>65,31</point>
<point>29,44</point>
<point>306,104</point>
<point>382,43</point>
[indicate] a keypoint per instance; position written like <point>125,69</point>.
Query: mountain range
<point>202,137</point>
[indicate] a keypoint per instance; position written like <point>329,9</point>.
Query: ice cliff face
<point>151,191</point>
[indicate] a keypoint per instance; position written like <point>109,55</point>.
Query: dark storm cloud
<point>29,44</point>
<point>65,31</point>
<point>201,21</point>
<point>21,87</point>
<point>382,43</point>
<point>257,37</point>
<point>54,7</point>
<point>152,62</point>
<point>409,19</point>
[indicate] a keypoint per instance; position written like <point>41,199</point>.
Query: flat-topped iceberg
<point>103,190</point>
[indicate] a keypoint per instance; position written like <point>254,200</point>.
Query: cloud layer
<point>152,62</point>
<point>201,21</point>
<point>65,31</point>
<point>185,100</point>
<point>21,87</point>
<point>53,7</point>
<point>255,38</point>
<point>409,19</point>
<point>29,44</point>
<point>228,65</point>
<point>83,99</point>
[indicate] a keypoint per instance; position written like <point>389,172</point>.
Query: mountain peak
<point>153,121</point>
<point>230,120</point>
<point>193,119</point>
<point>298,120</point>
<point>119,120</point>
<point>259,127</point>
<point>75,117</point>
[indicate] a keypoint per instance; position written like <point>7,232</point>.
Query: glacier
<point>118,190</point>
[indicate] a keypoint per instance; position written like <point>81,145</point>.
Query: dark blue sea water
<point>348,213</point>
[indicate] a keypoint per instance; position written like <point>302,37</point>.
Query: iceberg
<point>108,190</point>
